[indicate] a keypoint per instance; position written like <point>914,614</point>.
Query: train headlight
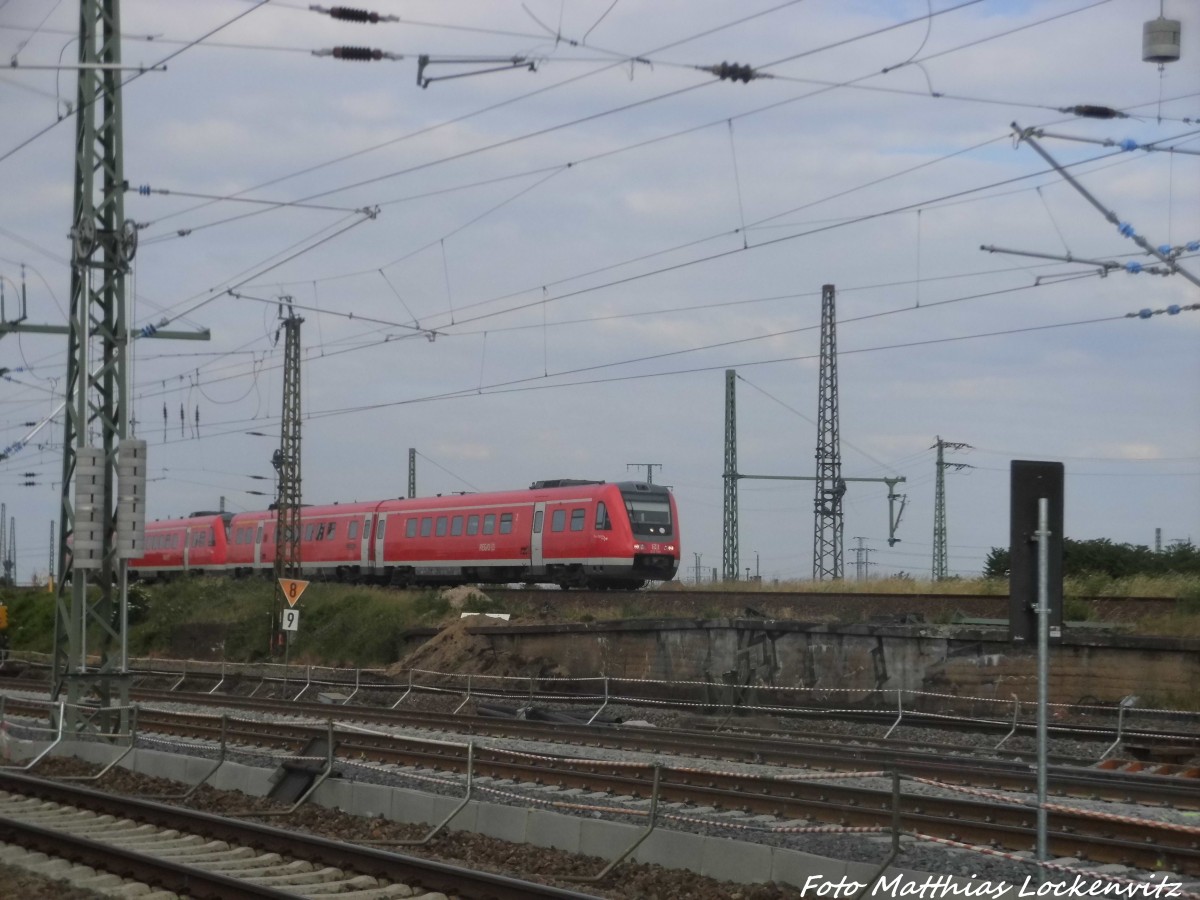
<point>639,546</point>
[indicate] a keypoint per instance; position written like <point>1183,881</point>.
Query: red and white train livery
<point>566,532</point>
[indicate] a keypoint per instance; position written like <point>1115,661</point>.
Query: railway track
<point>979,819</point>
<point>204,856</point>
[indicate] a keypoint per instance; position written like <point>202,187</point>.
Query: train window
<point>603,522</point>
<point>472,524</point>
<point>259,537</point>
<point>352,530</point>
<point>331,531</point>
<point>489,523</point>
<point>212,538</point>
<point>558,521</point>
<point>456,525</point>
<point>379,528</point>
<point>320,531</point>
<point>426,526</point>
<point>410,527</point>
<point>577,516</point>
<point>537,521</point>
<point>506,522</point>
<point>308,530</point>
<point>441,526</point>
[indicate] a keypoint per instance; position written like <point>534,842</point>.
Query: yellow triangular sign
<point>292,589</point>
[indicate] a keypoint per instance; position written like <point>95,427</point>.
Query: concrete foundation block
<point>673,849</point>
<point>335,794</point>
<point>411,807</point>
<point>608,840</point>
<point>736,861</point>
<point>793,867</point>
<point>551,829</point>
<point>371,800</point>
<point>508,823</point>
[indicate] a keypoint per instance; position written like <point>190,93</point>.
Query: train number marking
<point>487,548</point>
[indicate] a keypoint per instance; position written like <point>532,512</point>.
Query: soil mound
<point>456,651</point>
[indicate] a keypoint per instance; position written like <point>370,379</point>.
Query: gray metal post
<point>1043,538</point>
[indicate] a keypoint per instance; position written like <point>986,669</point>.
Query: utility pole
<point>3,545</point>
<point>939,504</point>
<point>729,531</point>
<point>862,561</point>
<point>287,464</point>
<point>412,472</point>
<point>50,580</point>
<point>697,555</point>
<point>827,503</point>
<point>650,467</point>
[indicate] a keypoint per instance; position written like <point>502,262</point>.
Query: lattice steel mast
<point>729,533</point>
<point>96,389</point>
<point>287,464</point>
<point>939,504</point>
<point>827,504</point>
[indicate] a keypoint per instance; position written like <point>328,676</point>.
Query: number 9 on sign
<point>291,620</point>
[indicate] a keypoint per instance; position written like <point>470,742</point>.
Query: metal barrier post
<point>182,678</point>
<point>466,698</point>
<point>406,693</point>
<point>417,842</point>
<point>307,683</point>
<point>899,712</point>
<point>603,705</point>
<point>356,685</point>
<point>645,834</point>
<point>222,681</point>
<point>895,837</point>
<point>1016,715</point>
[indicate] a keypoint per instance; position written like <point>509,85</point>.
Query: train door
<point>367,561</point>
<point>535,540</point>
<point>380,523</point>
<point>258,534</point>
<point>187,546</point>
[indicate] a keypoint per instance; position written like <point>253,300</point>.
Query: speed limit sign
<point>291,620</point>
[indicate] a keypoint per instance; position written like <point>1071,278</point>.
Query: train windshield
<point>649,515</point>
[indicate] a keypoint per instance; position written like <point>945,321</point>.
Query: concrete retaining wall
<point>862,659</point>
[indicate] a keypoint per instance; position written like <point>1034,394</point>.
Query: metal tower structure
<point>287,464</point>
<point>733,476</point>
<point>412,472</point>
<point>649,467</point>
<point>3,545</point>
<point>939,504</point>
<point>729,533</point>
<point>10,559</point>
<point>827,502</point>
<point>103,244</point>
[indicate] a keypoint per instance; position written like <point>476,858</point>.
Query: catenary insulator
<point>1160,40</point>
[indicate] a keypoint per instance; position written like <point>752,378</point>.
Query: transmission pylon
<point>649,467</point>
<point>287,464</point>
<point>412,472</point>
<point>827,504</point>
<point>729,533</point>
<point>10,560</point>
<point>939,504</point>
<point>3,545</point>
<point>103,244</point>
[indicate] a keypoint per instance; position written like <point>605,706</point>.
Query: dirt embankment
<point>456,650</point>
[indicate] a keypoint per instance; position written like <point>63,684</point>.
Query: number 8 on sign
<point>292,589</point>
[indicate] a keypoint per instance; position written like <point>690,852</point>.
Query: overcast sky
<point>559,265</point>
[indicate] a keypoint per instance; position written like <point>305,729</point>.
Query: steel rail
<point>430,875</point>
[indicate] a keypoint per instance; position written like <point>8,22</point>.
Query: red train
<point>570,533</point>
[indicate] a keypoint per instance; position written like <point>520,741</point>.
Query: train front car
<point>653,523</point>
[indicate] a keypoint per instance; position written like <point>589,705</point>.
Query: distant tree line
<point>1102,556</point>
